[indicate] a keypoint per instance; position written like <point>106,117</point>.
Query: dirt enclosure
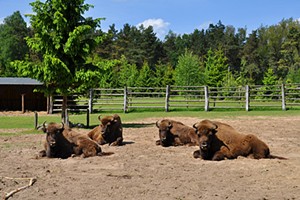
<point>142,170</point>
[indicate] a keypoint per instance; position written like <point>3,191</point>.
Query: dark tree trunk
<point>64,110</point>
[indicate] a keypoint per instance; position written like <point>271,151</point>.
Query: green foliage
<point>145,77</point>
<point>270,78</point>
<point>64,38</point>
<point>293,76</point>
<point>290,51</point>
<point>12,43</point>
<point>163,75</point>
<point>128,74</point>
<point>171,48</point>
<point>269,90</point>
<point>61,39</point>
<point>215,68</point>
<point>188,71</point>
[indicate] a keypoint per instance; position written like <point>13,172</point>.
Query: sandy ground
<point>142,170</point>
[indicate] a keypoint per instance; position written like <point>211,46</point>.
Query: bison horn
<point>62,125</point>
<point>195,125</point>
<point>215,126</point>
<point>42,127</point>
<point>99,117</point>
<point>157,123</point>
<point>44,124</point>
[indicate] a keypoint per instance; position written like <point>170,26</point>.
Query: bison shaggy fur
<point>174,133</point>
<point>218,141</point>
<point>63,142</point>
<point>109,131</point>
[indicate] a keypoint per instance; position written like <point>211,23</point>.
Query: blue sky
<point>180,16</point>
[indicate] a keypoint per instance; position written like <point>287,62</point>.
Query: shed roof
<point>18,81</point>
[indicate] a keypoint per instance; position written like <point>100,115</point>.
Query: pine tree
<point>188,71</point>
<point>216,68</point>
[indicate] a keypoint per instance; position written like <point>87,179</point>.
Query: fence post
<point>35,120</point>
<point>125,100</point>
<point>91,100</point>
<point>50,104</point>
<point>283,97</point>
<point>87,118</point>
<point>67,121</point>
<point>167,98</point>
<point>206,94</point>
<point>247,97</point>
<point>23,103</point>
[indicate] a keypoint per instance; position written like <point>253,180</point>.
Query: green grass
<point>27,122</point>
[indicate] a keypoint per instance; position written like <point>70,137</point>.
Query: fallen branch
<point>9,194</point>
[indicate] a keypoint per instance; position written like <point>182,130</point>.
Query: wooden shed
<point>17,94</point>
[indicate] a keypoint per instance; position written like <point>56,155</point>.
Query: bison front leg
<point>157,142</point>
<point>42,153</point>
<point>177,142</point>
<point>222,154</point>
<point>197,154</point>
<point>118,142</point>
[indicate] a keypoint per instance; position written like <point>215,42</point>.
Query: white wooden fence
<point>183,97</point>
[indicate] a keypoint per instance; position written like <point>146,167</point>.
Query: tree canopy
<point>69,52</point>
<point>64,38</point>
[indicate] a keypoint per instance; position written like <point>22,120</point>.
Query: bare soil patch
<point>142,170</point>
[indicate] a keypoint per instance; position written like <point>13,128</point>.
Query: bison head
<point>106,125</point>
<point>205,130</point>
<point>165,135</point>
<point>53,131</point>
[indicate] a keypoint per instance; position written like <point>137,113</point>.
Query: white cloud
<point>160,27</point>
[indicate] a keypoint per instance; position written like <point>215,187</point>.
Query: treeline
<point>134,56</point>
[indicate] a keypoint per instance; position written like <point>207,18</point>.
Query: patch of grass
<point>18,131</point>
<point>27,122</point>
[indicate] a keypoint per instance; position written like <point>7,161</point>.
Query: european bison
<point>174,133</point>
<point>109,131</point>
<point>218,141</point>
<point>63,142</point>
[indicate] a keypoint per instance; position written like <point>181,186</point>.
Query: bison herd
<point>216,140</point>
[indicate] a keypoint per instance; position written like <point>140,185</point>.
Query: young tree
<point>163,75</point>
<point>64,37</point>
<point>269,81</point>
<point>188,71</point>
<point>12,43</point>
<point>170,48</point>
<point>128,73</point>
<point>290,51</point>
<point>216,68</point>
<point>145,77</point>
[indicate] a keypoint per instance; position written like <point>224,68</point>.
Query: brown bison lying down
<point>174,133</point>
<point>109,131</point>
<point>63,142</point>
<point>218,141</point>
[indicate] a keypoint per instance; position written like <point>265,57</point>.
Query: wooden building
<point>17,94</point>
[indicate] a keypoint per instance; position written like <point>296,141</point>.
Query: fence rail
<point>183,97</point>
